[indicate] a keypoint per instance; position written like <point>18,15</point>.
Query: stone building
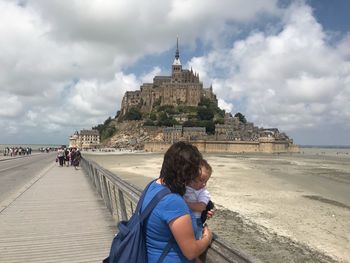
<point>74,140</point>
<point>194,133</point>
<point>172,134</point>
<point>183,87</point>
<point>177,133</point>
<point>234,130</point>
<point>85,139</point>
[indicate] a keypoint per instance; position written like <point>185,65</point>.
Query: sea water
<point>343,151</point>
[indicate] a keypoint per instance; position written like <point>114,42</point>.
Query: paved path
<point>58,217</point>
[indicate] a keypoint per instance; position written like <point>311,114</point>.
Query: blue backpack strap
<point>166,249</point>
<point>146,213</point>
<point>149,208</point>
<point>153,203</point>
<point>155,200</point>
<point>139,204</point>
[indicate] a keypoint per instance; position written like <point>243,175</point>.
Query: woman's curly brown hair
<point>181,165</point>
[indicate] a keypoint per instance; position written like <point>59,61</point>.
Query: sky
<point>66,64</point>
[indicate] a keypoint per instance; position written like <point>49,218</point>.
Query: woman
<point>170,220</point>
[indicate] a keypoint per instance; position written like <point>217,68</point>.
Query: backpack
<point>129,245</point>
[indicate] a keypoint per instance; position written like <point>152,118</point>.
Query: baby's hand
<point>211,213</point>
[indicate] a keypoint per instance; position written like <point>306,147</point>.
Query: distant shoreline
<point>326,146</point>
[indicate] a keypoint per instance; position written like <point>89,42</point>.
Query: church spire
<point>177,54</point>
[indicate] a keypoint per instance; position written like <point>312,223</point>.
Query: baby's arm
<point>196,206</point>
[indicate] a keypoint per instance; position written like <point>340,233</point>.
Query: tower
<point>176,67</point>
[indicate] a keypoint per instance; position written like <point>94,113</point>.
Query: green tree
<point>170,109</point>
<point>220,113</point>
<point>153,116</point>
<point>209,126</point>
<point>186,109</point>
<point>165,120</point>
<point>108,121</point>
<point>133,114</point>
<point>219,121</point>
<point>108,132</point>
<point>191,123</point>
<point>205,113</point>
<point>206,102</point>
<point>241,117</point>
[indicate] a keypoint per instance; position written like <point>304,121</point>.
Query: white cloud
<point>64,62</point>
<point>10,105</point>
<point>344,46</point>
<point>291,80</point>
<point>94,98</point>
<point>228,107</point>
<point>148,77</point>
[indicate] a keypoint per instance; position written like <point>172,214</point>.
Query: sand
<point>279,208</point>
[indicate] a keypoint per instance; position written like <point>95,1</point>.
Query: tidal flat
<point>276,207</point>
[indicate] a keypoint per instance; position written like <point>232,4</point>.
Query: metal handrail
<point>121,198</point>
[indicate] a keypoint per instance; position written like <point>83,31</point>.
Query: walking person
<point>170,221</point>
<point>60,156</point>
<point>76,158</point>
<point>66,156</point>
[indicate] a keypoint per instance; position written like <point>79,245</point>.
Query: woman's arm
<point>182,230</point>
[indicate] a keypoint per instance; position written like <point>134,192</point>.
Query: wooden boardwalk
<point>59,217</point>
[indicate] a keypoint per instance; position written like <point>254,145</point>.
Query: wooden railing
<point>121,199</point>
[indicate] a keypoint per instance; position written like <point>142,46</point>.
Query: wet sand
<point>279,208</point>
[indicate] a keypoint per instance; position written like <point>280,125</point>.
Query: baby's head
<point>205,171</point>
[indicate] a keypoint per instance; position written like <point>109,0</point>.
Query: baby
<point>198,198</point>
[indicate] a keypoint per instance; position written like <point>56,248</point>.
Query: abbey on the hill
<point>212,130</point>
<point>183,87</point>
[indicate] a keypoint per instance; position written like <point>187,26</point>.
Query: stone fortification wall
<point>231,146</point>
<point>225,146</point>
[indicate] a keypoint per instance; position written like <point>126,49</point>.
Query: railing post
<point>122,205</point>
<point>114,203</point>
<point>105,193</point>
<point>91,174</point>
<point>98,182</point>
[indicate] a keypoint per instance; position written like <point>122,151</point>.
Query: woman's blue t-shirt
<point>157,228</point>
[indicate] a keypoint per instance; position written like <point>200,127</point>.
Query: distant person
<point>76,158</point>
<point>72,156</point>
<point>170,219</point>
<point>197,198</point>
<point>66,156</point>
<point>60,156</point>
<point>6,151</point>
